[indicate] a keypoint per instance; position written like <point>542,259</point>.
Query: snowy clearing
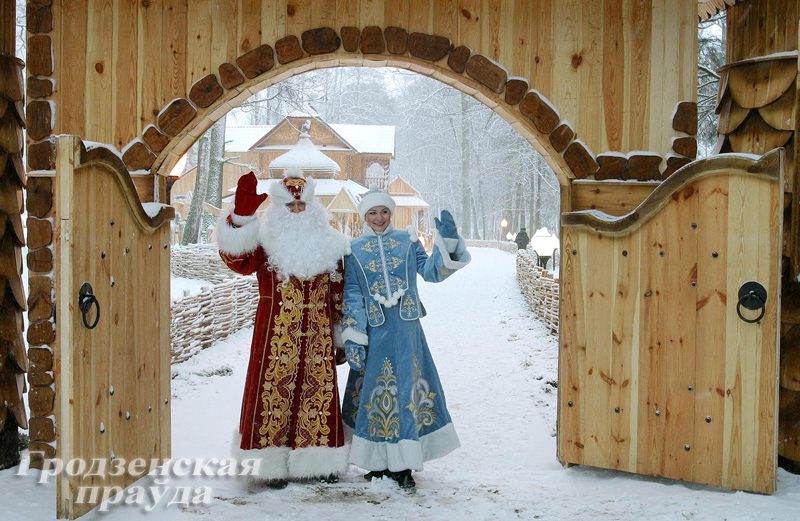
<point>498,367</point>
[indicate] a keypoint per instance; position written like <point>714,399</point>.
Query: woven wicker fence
<point>216,312</point>
<point>510,247</point>
<point>199,261</point>
<point>539,288</point>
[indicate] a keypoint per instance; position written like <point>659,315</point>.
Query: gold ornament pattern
<point>421,405</point>
<point>383,414</point>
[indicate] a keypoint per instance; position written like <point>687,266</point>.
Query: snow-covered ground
<point>498,367</point>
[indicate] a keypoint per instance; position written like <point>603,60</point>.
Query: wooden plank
<point>223,33</point>
<point>298,17</point>
<point>521,45</point>
<point>590,75</point>
<point>249,25</point>
<point>149,62</point>
<point>174,63</point>
<point>543,54</point>
<point>658,95</point>
<point>613,73</point>
<point>99,73</point>
<point>273,21</point>
<point>199,33</point>
<point>638,58</point>
<point>597,261</point>
<point>613,198</point>
<point>710,330</point>
<point>126,128</point>
<point>470,25</point>
<point>347,14</point>
<point>420,13</point>
<point>490,18</point>
<point>371,13</point>
<point>395,13</point>
<point>323,14</point>
<point>71,95</point>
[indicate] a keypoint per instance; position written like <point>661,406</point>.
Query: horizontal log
<point>541,112</point>
<point>40,120</point>
<point>206,91</point>
<point>350,36</point>
<point>614,198</point>
<point>396,40</point>
<point>38,18</point>
<point>39,87</point>
<point>515,90</point>
<point>138,157</point>
<point>561,137</point>
<point>611,166</point>
<point>39,196</point>
<point>176,116</point>
<point>288,49</point>
<point>428,47</point>
<point>644,167</point>
<point>256,61</point>
<point>372,40</point>
<point>42,429</point>
<point>685,146</point>
<point>41,358</point>
<point>580,160</point>
<point>40,55</point>
<point>39,378</point>
<point>487,73</point>
<point>41,156</point>
<point>39,450</point>
<point>685,118</point>
<point>41,401</point>
<point>458,58</point>
<point>154,139</point>
<point>320,41</point>
<point>40,260</point>
<point>230,76</point>
<point>674,164</point>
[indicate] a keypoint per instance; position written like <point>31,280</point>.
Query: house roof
<point>305,156</point>
<point>366,139</point>
<point>708,8</point>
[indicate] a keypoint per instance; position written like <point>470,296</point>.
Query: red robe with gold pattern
<point>291,418</point>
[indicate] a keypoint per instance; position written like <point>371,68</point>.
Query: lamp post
<point>503,225</point>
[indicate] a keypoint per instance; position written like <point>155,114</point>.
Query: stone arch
<point>183,120</point>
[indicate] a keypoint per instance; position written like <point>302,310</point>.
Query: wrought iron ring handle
<point>85,300</point>
<point>751,300</point>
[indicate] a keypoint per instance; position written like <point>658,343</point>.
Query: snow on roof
<point>543,242</point>
<point>410,201</point>
<point>375,139</point>
<point>305,156</point>
<point>241,138</point>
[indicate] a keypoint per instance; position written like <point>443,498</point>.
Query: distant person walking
<point>522,239</point>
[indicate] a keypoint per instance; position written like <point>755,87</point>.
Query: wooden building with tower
<point>669,359</point>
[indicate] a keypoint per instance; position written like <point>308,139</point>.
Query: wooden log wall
<point>150,77</point>
<point>13,359</point>
<point>539,288</point>
<point>760,28</point>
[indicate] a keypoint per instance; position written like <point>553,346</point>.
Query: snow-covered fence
<point>199,261</point>
<point>510,247</point>
<point>539,288</point>
<point>216,312</point>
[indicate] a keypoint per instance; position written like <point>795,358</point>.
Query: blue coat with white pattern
<point>395,405</point>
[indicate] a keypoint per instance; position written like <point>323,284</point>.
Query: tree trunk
<point>191,230</point>
<point>466,190</point>
<point>216,162</point>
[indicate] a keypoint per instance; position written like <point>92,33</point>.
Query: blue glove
<point>446,226</point>
<point>356,355</point>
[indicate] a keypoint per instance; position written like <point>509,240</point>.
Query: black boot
<point>404,479</point>
<point>277,484</point>
<point>331,478</point>
<point>375,474</point>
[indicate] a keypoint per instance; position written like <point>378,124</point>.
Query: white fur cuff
<point>355,335</point>
<point>237,241</point>
<point>312,462</point>
<point>337,336</point>
<point>271,462</point>
<point>449,263</point>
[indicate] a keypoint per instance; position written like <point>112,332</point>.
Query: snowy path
<point>496,363</point>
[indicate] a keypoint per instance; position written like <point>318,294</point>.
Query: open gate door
<point>113,379</point>
<point>668,364</point>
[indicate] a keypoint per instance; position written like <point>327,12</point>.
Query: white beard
<point>302,244</point>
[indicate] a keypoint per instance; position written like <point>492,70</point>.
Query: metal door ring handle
<point>751,301</point>
<point>85,300</point>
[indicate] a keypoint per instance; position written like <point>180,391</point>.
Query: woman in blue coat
<point>394,401</point>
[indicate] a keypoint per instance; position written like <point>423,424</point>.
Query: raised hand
<point>446,226</point>
<point>356,355</point>
<point>247,200</point>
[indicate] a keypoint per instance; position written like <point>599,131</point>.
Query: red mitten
<point>247,200</point>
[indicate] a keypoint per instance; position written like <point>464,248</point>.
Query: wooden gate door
<point>658,374</point>
<point>113,380</point>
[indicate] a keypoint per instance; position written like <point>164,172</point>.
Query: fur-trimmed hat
<point>373,198</point>
<point>293,187</point>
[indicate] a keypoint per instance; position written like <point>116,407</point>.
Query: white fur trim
<point>412,233</point>
<point>337,336</point>
<point>355,335</point>
<point>405,454</point>
<point>272,462</point>
<point>312,462</point>
<point>280,195</point>
<point>449,263</point>
<point>237,241</point>
<point>241,220</point>
<point>375,198</point>
<point>451,244</point>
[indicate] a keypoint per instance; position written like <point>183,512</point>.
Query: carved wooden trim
<point>767,166</point>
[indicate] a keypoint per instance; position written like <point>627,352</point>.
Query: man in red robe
<point>290,419</point>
